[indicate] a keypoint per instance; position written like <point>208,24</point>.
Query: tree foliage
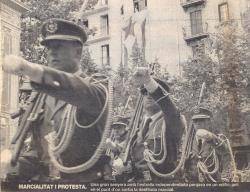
<point>222,66</point>
<point>87,63</point>
<point>40,11</point>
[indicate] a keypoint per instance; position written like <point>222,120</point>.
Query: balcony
<point>100,7</point>
<point>101,34</point>
<point>17,5</point>
<point>194,34</point>
<point>189,3</point>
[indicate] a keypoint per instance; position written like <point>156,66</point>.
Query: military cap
<point>160,82</point>
<point>121,122</point>
<point>59,29</point>
<point>202,113</point>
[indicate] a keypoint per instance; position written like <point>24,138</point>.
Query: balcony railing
<point>192,34</point>
<point>17,5</point>
<point>101,34</point>
<point>189,3</point>
<point>97,9</point>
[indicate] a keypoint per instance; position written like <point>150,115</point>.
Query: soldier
<point>116,144</point>
<point>154,152</point>
<point>119,130</point>
<point>71,126</point>
<point>200,120</point>
<point>209,155</point>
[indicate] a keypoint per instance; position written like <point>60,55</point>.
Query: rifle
<point>203,86</point>
<point>191,131</point>
<point>17,113</point>
<point>133,129</point>
<point>31,114</point>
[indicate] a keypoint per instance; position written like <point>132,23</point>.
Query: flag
<point>129,39</point>
<point>139,20</point>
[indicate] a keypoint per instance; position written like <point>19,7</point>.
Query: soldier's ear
<point>78,52</point>
<point>78,48</point>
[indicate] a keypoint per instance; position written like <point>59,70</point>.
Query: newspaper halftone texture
<point>190,57</point>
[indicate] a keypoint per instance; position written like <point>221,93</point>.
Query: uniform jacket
<point>63,88</point>
<point>170,116</point>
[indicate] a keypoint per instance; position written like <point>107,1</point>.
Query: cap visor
<point>61,37</point>
<point>119,123</point>
<point>200,117</point>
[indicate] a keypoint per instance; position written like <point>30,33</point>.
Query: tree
<point>40,11</point>
<point>87,63</point>
<point>223,68</point>
<point>232,50</point>
<point>137,57</point>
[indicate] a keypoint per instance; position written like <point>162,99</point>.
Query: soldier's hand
<point>118,166</point>
<point>110,144</point>
<point>5,162</point>
<point>142,76</point>
<point>204,135</point>
<point>14,64</point>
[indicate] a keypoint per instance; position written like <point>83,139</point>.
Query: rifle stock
<point>31,102</point>
<point>31,114</point>
<point>133,129</point>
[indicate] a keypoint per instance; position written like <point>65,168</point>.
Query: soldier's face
<point>202,123</point>
<point>119,132</point>
<point>150,104</point>
<point>63,55</point>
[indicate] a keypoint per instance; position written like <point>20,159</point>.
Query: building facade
<point>10,29</point>
<point>106,36</point>
<point>167,31</point>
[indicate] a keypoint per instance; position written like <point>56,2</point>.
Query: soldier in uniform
<point>71,125</point>
<point>119,130</point>
<point>117,144</point>
<point>155,149</point>
<point>200,120</point>
<point>209,157</point>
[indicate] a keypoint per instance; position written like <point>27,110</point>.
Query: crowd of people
<point>67,131</point>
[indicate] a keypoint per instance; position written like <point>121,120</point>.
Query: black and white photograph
<point>125,95</point>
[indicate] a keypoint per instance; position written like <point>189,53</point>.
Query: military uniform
<point>120,172</point>
<point>166,123</point>
<point>60,91</point>
<point>191,170</point>
<point>118,143</point>
<point>203,144</point>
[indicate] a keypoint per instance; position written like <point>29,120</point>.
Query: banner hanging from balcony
<point>134,32</point>
<point>139,20</point>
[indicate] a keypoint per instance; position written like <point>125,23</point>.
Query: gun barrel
<point>133,129</point>
<point>201,92</point>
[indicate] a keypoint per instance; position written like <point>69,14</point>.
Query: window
<point>105,55</point>
<point>104,25</point>
<point>7,44</point>
<point>122,10</point>
<point>104,2</point>
<point>223,12</point>
<point>139,5</point>
<point>196,22</point>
